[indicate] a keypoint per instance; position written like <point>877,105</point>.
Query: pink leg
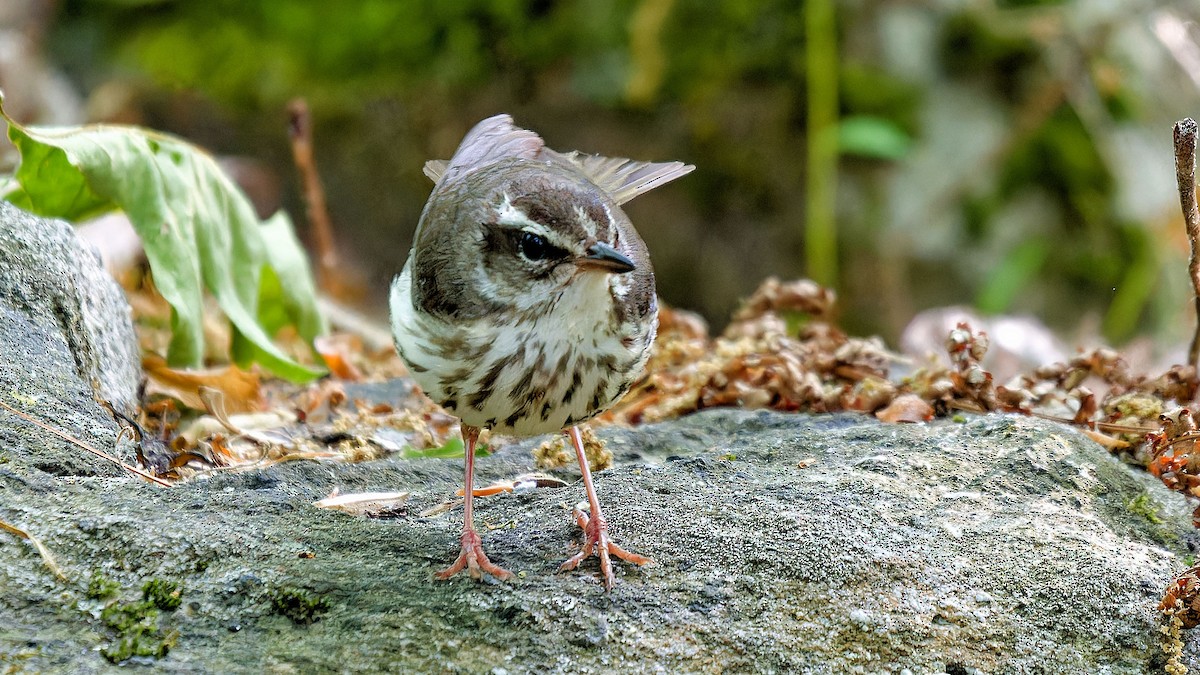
<point>472,558</point>
<point>595,529</point>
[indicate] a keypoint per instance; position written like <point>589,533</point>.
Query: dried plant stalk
<point>99,453</point>
<point>300,133</point>
<point>1185,176</point>
<point>41,548</point>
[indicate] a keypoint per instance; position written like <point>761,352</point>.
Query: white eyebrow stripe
<point>509,214</point>
<point>590,226</point>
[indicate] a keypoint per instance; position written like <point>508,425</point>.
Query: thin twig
<point>300,133</point>
<point>45,552</point>
<point>1185,176</point>
<point>99,453</point>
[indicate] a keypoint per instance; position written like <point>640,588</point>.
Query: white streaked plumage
<point>578,319</point>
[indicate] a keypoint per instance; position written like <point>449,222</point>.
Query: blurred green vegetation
<point>1013,154</point>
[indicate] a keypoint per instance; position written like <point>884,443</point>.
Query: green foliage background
<point>1011,154</point>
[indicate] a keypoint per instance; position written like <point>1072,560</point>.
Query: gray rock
<point>783,543</point>
<point>66,336</point>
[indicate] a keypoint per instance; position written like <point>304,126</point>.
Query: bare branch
<point>1185,176</point>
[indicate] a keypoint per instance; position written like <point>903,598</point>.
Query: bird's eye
<point>535,247</point>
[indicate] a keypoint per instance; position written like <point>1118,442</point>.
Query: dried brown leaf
<point>340,351</point>
<point>526,481</point>
<point>240,390</point>
<point>906,408</point>
<point>801,295</point>
<point>556,452</point>
<point>1182,598</point>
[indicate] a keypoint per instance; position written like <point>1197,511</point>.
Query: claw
<point>474,560</point>
<point>596,539</point>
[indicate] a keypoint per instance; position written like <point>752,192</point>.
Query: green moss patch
<point>136,625</point>
<point>165,595</point>
<point>299,605</point>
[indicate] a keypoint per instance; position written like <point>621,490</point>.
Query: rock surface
<point>784,543</point>
<point>54,281</point>
<point>66,335</point>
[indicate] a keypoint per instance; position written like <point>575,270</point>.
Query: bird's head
<point>542,234</point>
<point>519,237</point>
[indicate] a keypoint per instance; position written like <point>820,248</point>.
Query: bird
<point>527,304</point>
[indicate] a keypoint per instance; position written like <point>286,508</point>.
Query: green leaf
<point>197,228</point>
<point>872,137</point>
<point>287,266</point>
<point>448,450</point>
<point>285,297</point>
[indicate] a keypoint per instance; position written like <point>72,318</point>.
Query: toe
<point>474,560</point>
<point>628,556</point>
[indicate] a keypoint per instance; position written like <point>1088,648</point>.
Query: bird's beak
<point>601,256</point>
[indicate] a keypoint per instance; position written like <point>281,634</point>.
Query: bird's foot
<point>596,539</point>
<point>474,560</point>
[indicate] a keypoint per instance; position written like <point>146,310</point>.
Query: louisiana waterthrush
<point>527,304</point>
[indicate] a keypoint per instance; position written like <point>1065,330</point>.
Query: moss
<point>138,634</point>
<point>1144,506</point>
<point>1158,526</point>
<point>140,645</point>
<point>299,605</point>
<point>101,587</point>
<point>136,624</point>
<point>130,617</point>
<point>166,595</point>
